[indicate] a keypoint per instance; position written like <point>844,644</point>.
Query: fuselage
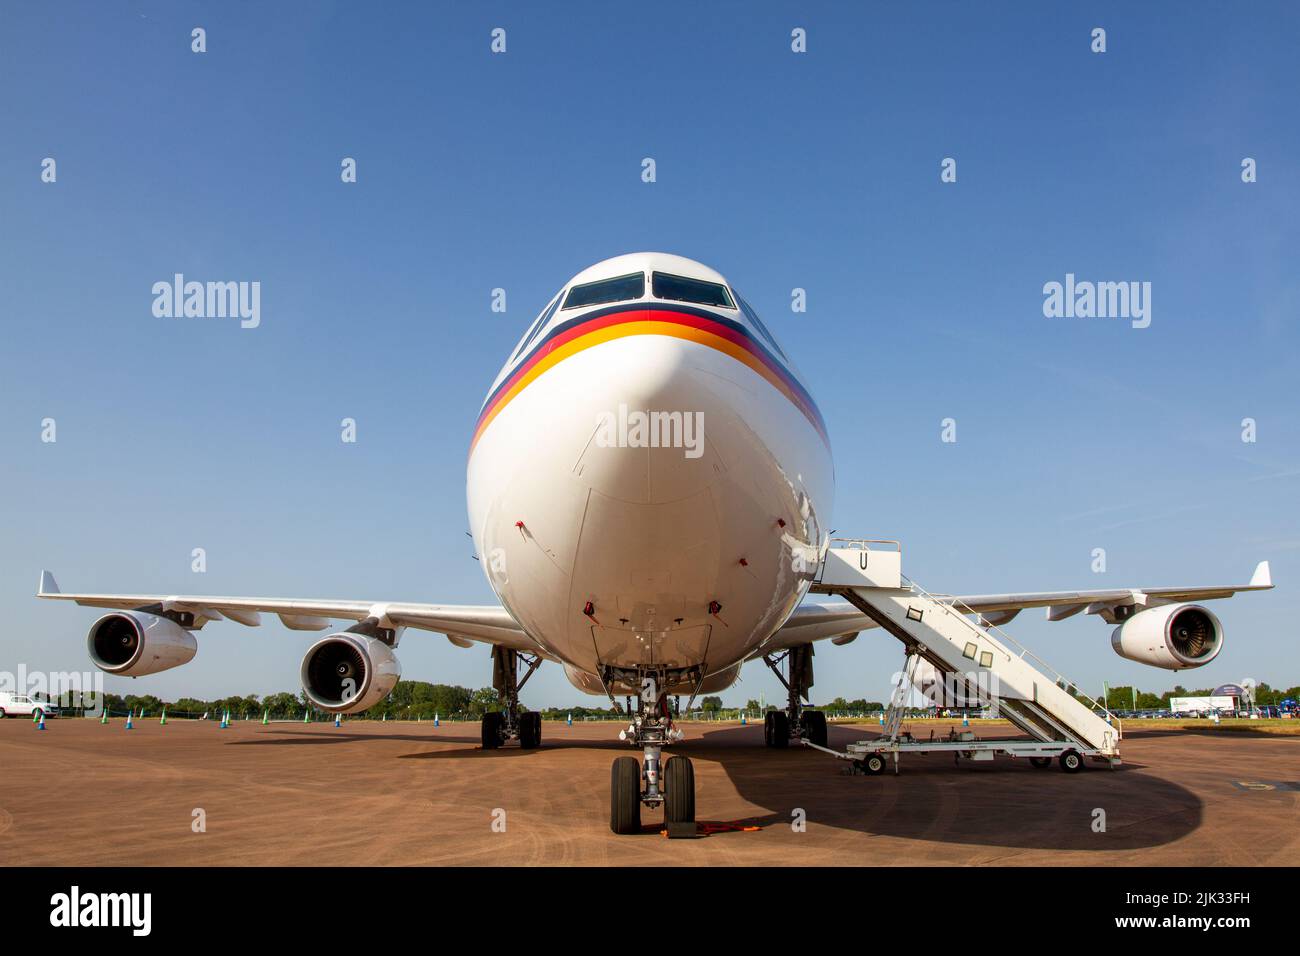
<point>649,479</point>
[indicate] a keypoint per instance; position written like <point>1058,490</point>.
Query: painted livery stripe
<point>696,326</point>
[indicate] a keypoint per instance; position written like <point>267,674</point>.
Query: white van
<point>21,705</point>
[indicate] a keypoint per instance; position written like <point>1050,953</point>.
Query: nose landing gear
<point>653,783</point>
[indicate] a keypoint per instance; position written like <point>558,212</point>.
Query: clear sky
<point>817,170</point>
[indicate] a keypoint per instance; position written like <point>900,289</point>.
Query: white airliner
<point>649,485</point>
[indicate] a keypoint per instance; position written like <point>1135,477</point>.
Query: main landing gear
<point>795,722</point>
<point>510,723</point>
<point>650,782</point>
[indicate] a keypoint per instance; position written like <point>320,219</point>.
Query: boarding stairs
<point>967,651</point>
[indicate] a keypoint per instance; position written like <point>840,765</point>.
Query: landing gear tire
<point>679,791</point>
<point>530,730</point>
<point>779,737</point>
<point>1040,763</point>
<point>492,723</point>
<point>625,796</point>
<point>1071,762</point>
<point>814,727</point>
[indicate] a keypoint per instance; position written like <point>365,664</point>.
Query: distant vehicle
<point>21,705</point>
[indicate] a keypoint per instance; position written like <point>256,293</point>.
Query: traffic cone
<point>265,714</point>
<point>306,716</point>
<point>338,720</point>
<point>385,718</point>
<point>965,720</point>
<point>103,718</point>
<point>569,721</point>
<point>36,716</point>
<point>128,720</point>
<point>40,725</point>
<point>435,719</point>
<point>162,721</point>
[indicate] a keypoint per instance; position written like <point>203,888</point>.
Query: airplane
<point>649,487</point>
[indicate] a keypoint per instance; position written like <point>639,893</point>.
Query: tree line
<point>412,699</point>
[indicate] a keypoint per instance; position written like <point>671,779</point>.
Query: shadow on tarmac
<point>933,799</point>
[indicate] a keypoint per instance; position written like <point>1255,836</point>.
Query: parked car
<point>23,705</point>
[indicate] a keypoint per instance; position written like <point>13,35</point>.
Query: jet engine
<point>133,643</point>
<point>345,673</point>
<point>1175,637</point>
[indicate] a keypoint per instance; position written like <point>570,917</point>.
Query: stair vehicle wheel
<point>1071,762</point>
<point>492,722</point>
<point>780,730</point>
<point>814,727</point>
<point>679,791</point>
<point>767,729</point>
<point>1040,763</point>
<point>530,730</point>
<point>625,796</point>
<point>874,764</point>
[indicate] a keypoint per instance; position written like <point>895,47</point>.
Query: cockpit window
<point>620,289</point>
<point>682,289</point>
<point>537,327</point>
<point>760,327</point>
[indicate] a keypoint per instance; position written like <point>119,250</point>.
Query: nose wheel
<point>626,793</point>
<point>625,796</point>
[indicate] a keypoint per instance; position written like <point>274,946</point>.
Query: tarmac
<point>189,793</point>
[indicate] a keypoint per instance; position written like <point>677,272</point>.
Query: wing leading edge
<point>488,624</point>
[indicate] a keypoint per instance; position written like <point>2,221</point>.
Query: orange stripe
<point>609,334</point>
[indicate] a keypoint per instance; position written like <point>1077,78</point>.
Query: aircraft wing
<point>462,624</point>
<point>840,621</point>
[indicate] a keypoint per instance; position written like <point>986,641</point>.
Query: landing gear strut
<point>795,722</point>
<point>652,783</point>
<point>510,723</point>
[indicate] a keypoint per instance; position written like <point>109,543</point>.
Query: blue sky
<point>817,170</point>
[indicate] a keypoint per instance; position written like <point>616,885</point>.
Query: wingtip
<point>1263,577</point>
<point>48,585</point>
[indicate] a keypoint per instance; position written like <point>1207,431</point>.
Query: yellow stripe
<point>609,334</point>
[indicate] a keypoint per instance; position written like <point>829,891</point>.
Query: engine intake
<point>133,644</point>
<point>1175,637</point>
<point>346,673</point>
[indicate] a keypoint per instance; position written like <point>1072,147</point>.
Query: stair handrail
<point>951,603</point>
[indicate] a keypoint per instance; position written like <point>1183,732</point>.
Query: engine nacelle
<point>133,643</point>
<point>345,673</point>
<point>1175,637</point>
